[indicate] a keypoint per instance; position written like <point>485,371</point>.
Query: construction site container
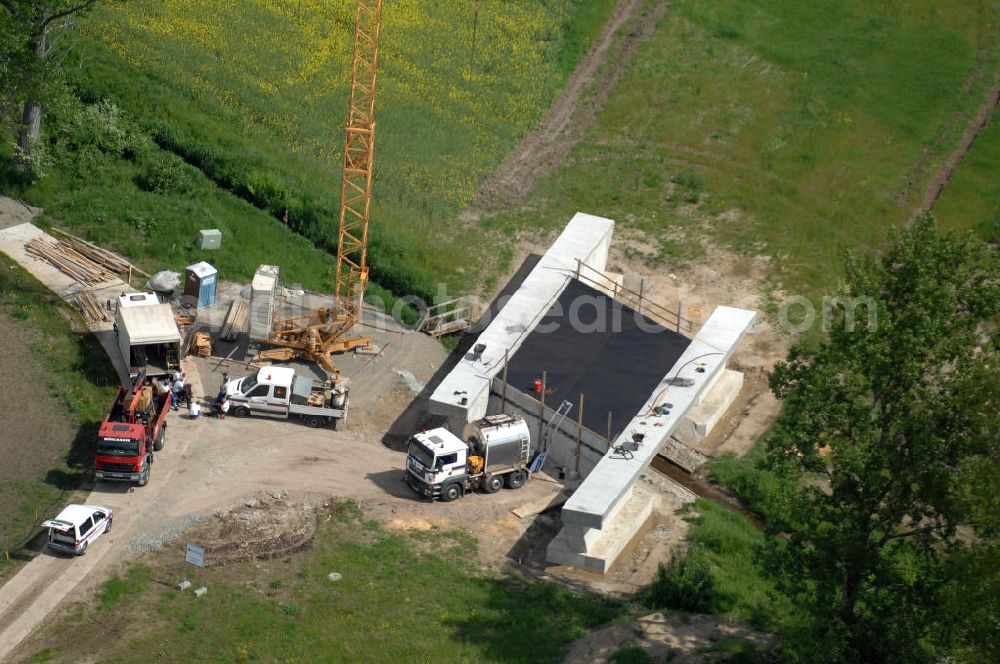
<point>201,282</point>
<point>263,290</point>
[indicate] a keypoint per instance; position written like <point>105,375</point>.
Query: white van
<point>77,526</point>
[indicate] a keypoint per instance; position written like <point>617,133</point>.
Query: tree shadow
<point>531,621</point>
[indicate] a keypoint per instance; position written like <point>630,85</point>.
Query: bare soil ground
<point>31,417</point>
<point>576,109</point>
<point>209,465</point>
<point>665,638</point>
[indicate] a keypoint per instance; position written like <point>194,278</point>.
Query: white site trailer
<point>148,337</point>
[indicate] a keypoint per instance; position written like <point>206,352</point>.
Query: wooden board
<point>542,504</point>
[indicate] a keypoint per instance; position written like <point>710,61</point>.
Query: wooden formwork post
<point>678,315</point>
<point>503,388</point>
<point>642,282</point>
<point>541,414</point>
<point>609,429</point>
<point>579,435</point>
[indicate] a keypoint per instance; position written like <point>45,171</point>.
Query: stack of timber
<point>107,259</point>
<point>236,320</point>
<point>69,261</point>
<point>202,345</point>
<point>92,312</point>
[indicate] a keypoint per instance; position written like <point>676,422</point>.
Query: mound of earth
<point>268,525</point>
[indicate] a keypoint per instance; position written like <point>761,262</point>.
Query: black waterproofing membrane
<point>587,342</point>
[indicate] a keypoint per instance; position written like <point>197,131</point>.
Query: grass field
<point>972,198</point>
<point>782,127</point>
<point>412,597</point>
<point>254,95</point>
<point>40,472</point>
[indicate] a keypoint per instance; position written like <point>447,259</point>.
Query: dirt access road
<point>208,464</point>
<point>546,147</point>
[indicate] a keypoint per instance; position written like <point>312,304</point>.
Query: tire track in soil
<point>546,147</point>
<point>937,185</point>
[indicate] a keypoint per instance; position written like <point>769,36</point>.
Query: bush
<point>630,655</point>
<point>168,175</point>
<point>686,584</point>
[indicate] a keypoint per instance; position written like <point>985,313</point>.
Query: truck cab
<point>279,392</point>
<point>435,459</point>
<point>494,454</point>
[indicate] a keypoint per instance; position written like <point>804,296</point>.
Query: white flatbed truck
<point>279,392</point>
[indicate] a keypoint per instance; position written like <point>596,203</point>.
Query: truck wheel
<point>158,443</point>
<point>515,480</point>
<point>242,411</point>
<point>107,528</point>
<point>493,483</point>
<point>83,549</point>
<point>451,492</point>
<point>314,421</point>
<point>144,477</point>
<point>334,421</point>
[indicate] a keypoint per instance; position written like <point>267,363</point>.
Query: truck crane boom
<point>324,332</point>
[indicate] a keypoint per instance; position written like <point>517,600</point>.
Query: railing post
<point>678,315</point>
<point>609,429</point>
<point>541,414</point>
<point>642,282</point>
<point>579,437</point>
<point>578,263</point>
<point>503,388</point>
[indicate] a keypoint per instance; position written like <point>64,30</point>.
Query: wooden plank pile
<point>236,320</point>
<point>69,261</point>
<point>107,259</point>
<point>92,311</point>
<point>202,345</point>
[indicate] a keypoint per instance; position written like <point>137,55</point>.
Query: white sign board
<point>194,554</point>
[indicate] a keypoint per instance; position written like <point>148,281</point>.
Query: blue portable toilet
<point>201,283</point>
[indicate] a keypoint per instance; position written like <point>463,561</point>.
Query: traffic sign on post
<point>194,554</point>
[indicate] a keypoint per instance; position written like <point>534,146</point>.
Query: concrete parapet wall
<point>597,501</point>
<point>586,238</point>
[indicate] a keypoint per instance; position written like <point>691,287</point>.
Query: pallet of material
<point>87,304</point>
<point>68,261</point>
<point>236,320</point>
<point>202,345</point>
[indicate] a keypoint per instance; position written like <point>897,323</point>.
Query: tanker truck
<point>493,454</point>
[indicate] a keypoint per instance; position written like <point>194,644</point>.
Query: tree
<point>881,423</point>
<point>30,28</point>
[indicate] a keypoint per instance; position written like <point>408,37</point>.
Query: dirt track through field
<point>938,183</point>
<point>547,146</point>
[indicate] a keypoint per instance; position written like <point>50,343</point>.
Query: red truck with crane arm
<point>134,428</point>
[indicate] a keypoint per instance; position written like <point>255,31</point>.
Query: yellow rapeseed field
<point>281,69</point>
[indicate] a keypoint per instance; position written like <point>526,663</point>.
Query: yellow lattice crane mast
<point>324,331</point>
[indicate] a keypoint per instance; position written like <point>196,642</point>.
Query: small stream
<point>704,489</point>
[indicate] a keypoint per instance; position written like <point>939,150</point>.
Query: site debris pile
<point>269,525</point>
<point>202,345</point>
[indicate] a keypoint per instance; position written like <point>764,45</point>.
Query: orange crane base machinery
<point>323,332</point>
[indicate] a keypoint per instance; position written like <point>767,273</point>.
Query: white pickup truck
<point>279,392</point>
